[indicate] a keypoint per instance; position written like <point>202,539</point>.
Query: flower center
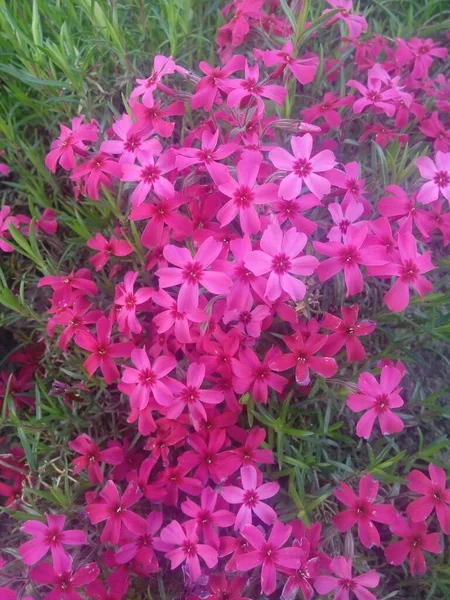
<point>281,263</point>
<point>382,403</point>
<point>343,225</point>
<point>147,377</point>
<point>409,271</point>
<point>349,255</point>
<point>192,272</point>
<point>251,85</point>
<point>189,548</point>
<point>373,96</point>
<point>133,142</point>
<point>442,179</point>
<point>150,173</point>
<point>302,167</point>
<point>250,498</point>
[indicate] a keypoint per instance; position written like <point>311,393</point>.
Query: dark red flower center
<point>147,377</point>
<point>302,167</point>
<point>192,272</point>
<point>346,584</point>
<point>53,537</point>
<point>243,197</point>
<point>150,173</point>
<point>281,263</point>
<point>353,186</point>
<point>381,403</point>
<point>190,395</point>
<point>373,96</point>
<point>250,498</point>
<point>409,271</point>
<point>343,225</point>
<point>442,179</point>
<point>349,255</point>
<point>133,142</point>
<point>251,85</point>
<point>189,548</point>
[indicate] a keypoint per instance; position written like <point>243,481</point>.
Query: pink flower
<point>353,187</point>
<point>249,497</point>
<point>408,267</point>
<point>47,222</point>
<point>206,517</point>
<point>416,539</point>
<point>191,273</point>
<point>208,156</point>
<point>422,52</point>
<point>141,545</point>
<point>182,542</point>
<point>356,23</point>
<point>75,320</point>
<point>434,496</point>
<point>8,594</point>
<point>65,581</point>
<point>206,458</point>
<point>434,129</point>
<point>150,177</point>
<point>162,212</point>
<point>191,396</point>
<point>244,195</point>
<point>373,96</point>
<point>147,378</point>
<point>107,249</point>
<point>96,172</point>
<point>221,589</point>
<point>301,578</point>
<point>347,331</point>
<point>116,512</point>
<point>173,479</point>
<point>327,109</point>
<point>303,359</point>
<point>92,456</point>
<point>344,220</point>
<point>118,585</point>
<point>303,69</point>
<point>151,118</point>
<point>130,300</point>
<point>174,318</point>
<point>363,511</point>
<point>438,174</point>
<point>255,376</point>
<point>65,285</point>
<point>303,168</point>
<point>49,537</point>
<point>103,351</point>
<point>69,143</point>
<point>130,146</point>
<point>248,321</point>
<point>345,582</point>
<point>251,88</point>
<point>249,452</point>
<point>348,256</point>
<point>279,256</point>
<point>269,554</point>
<point>378,399</point>
<point>162,65</point>
<point>208,89</point>
<point>5,219</point>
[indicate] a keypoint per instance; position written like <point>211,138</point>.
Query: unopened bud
<point>295,126</point>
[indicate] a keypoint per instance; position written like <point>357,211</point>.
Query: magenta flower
<point>174,318</point>
<point>303,69</point>
<point>49,537</point>
<point>118,584</point>
<point>269,554</point>
<point>434,496</point>
<point>64,286</point>
<point>206,458</point>
<point>378,399</point>
<point>301,578</point>
<point>409,268</point>
<point>249,87</point>
<point>345,582</point>
<point>303,168</point>
<point>438,174</point>
<point>191,396</point>
<point>116,512</point>
<point>216,81</point>
<point>356,23</point>
<point>416,539</point>
<point>256,376</point>
<point>5,219</point>
<point>348,256</point>
<point>130,146</point>
<point>421,51</point>
<point>162,212</point>
<point>243,278</point>
<point>150,177</point>
<point>244,195</point>
<point>221,589</point>
<point>327,109</point>
<point>434,129</point>
<point>103,351</point>
<point>363,511</point>
<point>69,143</point>
<point>8,594</point>
<point>141,545</point>
<point>162,65</point>
<point>147,378</point>
<point>208,156</point>
<point>182,542</point>
<point>347,331</point>
<point>249,452</point>
<point>279,256</point>
<point>151,118</point>
<point>343,220</point>
<point>91,456</point>
<point>206,517</point>
<point>130,300</point>
<point>291,210</point>
<point>96,172</point>
<point>74,319</point>
<point>249,497</point>
<point>191,273</point>
<point>173,479</point>
<point>352,188</point>
<point>106,249</point>
<point>248,321</point>
<point>66,581</point>
<point>374,96</point>
<point>302,357</point>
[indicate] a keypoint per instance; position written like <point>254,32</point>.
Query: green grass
<point>59,58</point>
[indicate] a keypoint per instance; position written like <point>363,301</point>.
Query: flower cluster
<point>227,232</point>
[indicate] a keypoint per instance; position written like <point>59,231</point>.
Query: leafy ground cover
<point>64,60</point>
